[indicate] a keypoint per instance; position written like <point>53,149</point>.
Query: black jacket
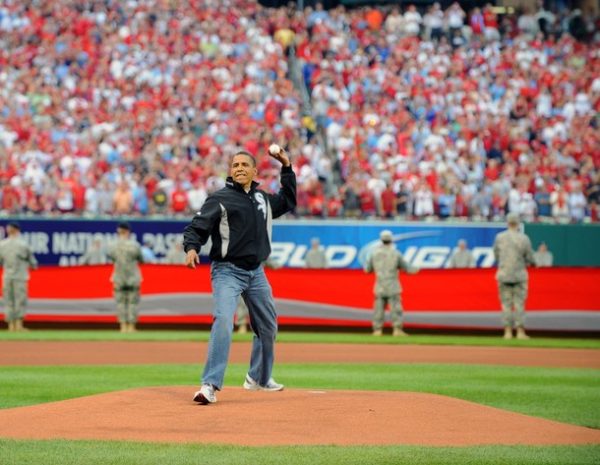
<point>240,223</point>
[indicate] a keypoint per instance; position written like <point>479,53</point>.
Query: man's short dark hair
<point>248,154</point>
<point>124,225</point>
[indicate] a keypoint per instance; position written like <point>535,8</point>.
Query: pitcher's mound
<point>167,414</point>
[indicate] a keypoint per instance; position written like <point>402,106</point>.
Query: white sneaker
<point>272,385</point>
<point>206,395</point>
<point>252,385</point>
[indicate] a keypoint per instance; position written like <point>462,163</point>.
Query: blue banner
<point>346,244</point>
<point>63,242</point>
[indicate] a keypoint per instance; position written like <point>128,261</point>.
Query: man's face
<point>242,170</point>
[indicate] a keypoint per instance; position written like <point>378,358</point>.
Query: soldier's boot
<point>377,332</point>
<point>399,332</point>
<point>521,333</point>
<point>19,326</point>
<point>124,327</point>
<point>11,326</point>
<point>242,329</point>
<point>508,332</point>
<point>131,328</point>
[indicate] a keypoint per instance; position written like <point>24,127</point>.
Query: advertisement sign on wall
<point>346,244</point>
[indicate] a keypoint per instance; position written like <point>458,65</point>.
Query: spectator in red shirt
<point>367,202</point>
<point>179,199</point>
<point>388,203</point>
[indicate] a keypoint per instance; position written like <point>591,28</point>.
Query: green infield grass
<point>569,395</point>
<point>303,337</point>
<point>132,453</point>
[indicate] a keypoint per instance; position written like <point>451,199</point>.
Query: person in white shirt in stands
<point>412,21</point>
<point>577,203</point>
<point>423,201</point>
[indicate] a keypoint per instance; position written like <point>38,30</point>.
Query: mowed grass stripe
<point>493,340</point>
<point>130,453</point>
<point>564,394</point>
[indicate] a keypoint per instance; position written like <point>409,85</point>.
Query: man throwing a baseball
<point>238,219</point>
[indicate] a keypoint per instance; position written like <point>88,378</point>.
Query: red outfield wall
<point>429,290</point>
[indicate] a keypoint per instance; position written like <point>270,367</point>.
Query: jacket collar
<point>229,182</point>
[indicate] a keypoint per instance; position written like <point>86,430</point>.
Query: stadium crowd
<point>132,108</point>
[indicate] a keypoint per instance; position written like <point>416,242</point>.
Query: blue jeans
<point>228,283</point>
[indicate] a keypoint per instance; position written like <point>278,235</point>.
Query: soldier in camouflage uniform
<point>16,258</point>
<point>462,257</point>
<point>385,261</point>
<point>542,256</point>
<point>126,254</point>
<point>94,255</point>
<point>315,257</point>
<point>513,252</point>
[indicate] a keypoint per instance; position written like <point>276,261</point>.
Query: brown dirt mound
<point>122,352</point>
<point>291,417</point>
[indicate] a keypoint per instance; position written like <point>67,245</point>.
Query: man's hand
<point>191,259</point>
<point>282,157</point>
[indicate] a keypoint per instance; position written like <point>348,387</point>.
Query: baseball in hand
<point>274,149</point>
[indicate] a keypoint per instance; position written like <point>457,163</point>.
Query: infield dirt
<point>167,414</point>
<point>94,353</point>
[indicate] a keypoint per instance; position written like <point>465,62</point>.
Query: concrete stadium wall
<point>559,298</point>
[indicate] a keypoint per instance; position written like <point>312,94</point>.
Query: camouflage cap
<point>386,235</point>
<point>14,224</point>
